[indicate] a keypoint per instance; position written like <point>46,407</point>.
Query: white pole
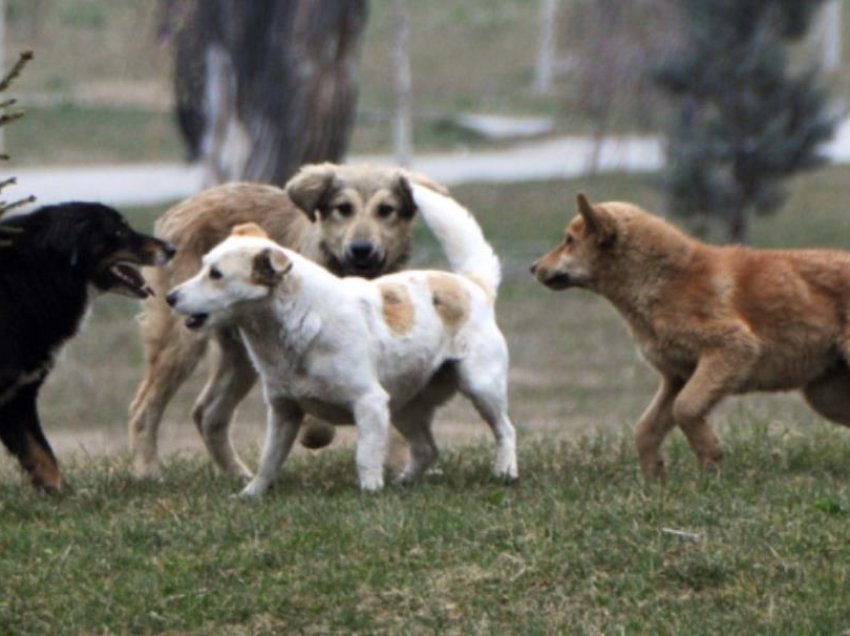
<point>2,59</point>
<point>544,71</point>
<point>402,131</point>
<point>831,55</point>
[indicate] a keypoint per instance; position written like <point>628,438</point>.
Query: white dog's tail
<point>467,250</point>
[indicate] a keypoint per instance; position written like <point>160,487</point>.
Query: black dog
<point>57,260</point>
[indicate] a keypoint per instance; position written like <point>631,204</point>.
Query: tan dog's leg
<point>653,427</point>
<point>414,423</point>
<point>231,377</point>
<point>829,395</point>
<point>171,354</point>
<point>716,375</point>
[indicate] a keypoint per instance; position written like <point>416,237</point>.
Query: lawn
<point>580,545</point>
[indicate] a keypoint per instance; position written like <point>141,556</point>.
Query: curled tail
<point>467,250</point>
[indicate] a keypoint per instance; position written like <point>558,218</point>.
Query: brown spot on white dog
<point>398,308</point>
<point>451,300</point>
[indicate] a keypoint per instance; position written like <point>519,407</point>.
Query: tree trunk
<point>265,86</point>
<point>738,228</point>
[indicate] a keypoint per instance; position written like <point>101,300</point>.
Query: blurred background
<point>725,115</point>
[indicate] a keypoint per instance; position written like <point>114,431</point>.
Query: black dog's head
<point>97,241</point>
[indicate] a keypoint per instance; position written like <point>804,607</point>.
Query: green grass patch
<point>580,545</point>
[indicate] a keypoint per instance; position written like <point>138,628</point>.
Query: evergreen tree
<point>746,121</point>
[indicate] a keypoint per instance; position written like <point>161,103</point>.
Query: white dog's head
<point>244,268</point>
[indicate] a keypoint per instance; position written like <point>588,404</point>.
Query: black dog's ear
<point>597,220</point>
<point>269,267</point>
<point>401,188</point>
<point>311,186</point>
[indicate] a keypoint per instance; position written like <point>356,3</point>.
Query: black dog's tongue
<point>196,320</point>
<point>131,277</point>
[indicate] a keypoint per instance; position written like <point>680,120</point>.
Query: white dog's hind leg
<point>284,420</point>
<point>414,423</point>
<point>372,417</point>
<point>483,379</point>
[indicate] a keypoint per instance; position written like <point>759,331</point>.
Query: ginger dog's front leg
<point>718,374</point>
<point>653,427</point>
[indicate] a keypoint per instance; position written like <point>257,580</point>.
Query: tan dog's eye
<point>345,209</point>
<point>569,240</point>
<point>385,211</point>
<point>214,273</point>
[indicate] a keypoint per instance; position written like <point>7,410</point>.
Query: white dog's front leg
<point>372,416</point>
<point>282,424</point>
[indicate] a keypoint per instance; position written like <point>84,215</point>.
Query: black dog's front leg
<point>20,432</point>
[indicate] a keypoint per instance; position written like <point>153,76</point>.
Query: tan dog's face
<point>245,267</point>
<point>575,261</point>
<point>364,215</point>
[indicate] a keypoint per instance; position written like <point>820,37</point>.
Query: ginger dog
<point>713,321</point>
<point>371,352</point>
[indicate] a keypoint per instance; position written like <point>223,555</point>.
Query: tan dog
<point>353,220</point>
<point>368,352</point>
<point>714,321</point>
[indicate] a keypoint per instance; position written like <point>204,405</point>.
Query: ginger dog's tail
<point>467,251</point>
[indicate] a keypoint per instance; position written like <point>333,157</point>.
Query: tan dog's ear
<point>401,188</point>
<point>270,266</point>
<point>311,186</point>
<point>248,229</point>
<point>598,221</point>
<point>420,179</point>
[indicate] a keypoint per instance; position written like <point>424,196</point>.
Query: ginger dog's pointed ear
<point>248,229</point>
<point>311,187</point>
<point>270,266</point>
<point>598,222</point>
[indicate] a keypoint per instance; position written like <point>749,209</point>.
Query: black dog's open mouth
<point>558,281</point>
<point>124,276</point>
<point>196,321</point>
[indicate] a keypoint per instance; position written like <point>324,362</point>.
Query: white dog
<point>369,352</point>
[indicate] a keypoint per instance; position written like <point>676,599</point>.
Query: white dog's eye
<point>214,273</point>
<point>385,211</point>
<point>345,209</point>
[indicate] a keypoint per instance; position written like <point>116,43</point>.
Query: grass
<point>580,545</point>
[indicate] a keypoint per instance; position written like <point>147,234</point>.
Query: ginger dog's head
<point>575,261</point>
<point>365,215</point>
<point>244,268</point>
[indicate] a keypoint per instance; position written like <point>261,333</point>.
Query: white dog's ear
<point>269,267</point>
<point>597,220</point>
<point>311,187</point>
<point>249,229</point>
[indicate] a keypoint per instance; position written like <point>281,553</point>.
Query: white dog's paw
<point>372,483</point>
<point>254,490</point>
<point>505,469</point>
